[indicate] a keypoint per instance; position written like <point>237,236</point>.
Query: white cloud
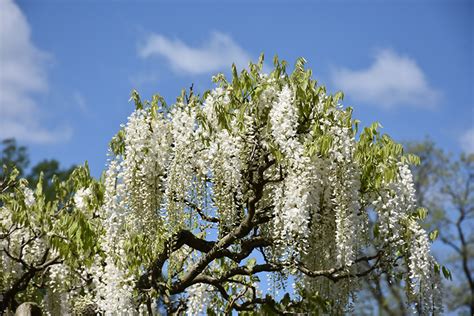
<point>140,79</point>
<point>80,102</point>
<point>219,52</point>
<point>32,133</point>
<point>22,75</point>
<point>467,141</point>
<point>392,80</point>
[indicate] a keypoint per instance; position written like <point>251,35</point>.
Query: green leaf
<point>421,213</point>
<point>338,96</point>
<point>434,235</point>
<point>13,174</point>
<point>286,299</point>
<point>136,99</point>
<point>376,231</point>
<point>436,268</point>
<point>261,59</point>
<point>300,62</point>
<point>447,274</point>
<point>39,186</point>
<point>251,263</point>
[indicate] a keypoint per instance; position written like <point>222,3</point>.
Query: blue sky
<point>67,67</point>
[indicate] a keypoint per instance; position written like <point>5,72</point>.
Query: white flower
<point>284,120</point>
<point>81,196</point>
<point>29,197</point>
<point>198,299</point>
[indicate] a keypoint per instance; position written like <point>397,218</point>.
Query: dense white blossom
<point>349,226</point>
<point>198,299</point>
<point>424,281</point>
<point>284,120</point>
<point>81,196</point>
<point>226,165</point>
<point>29,197</point>
<point>180,172</point>
<point>114,290</point>
<point>291,198</point>
<point>292,213</point>
<point>394,204</point>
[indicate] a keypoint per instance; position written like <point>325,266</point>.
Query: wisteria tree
<point>260,196</point>
<point>48,239</point>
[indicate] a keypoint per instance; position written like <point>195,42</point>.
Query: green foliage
<point>68,235</point>
<point>379,155</point>
<point>14,158</point>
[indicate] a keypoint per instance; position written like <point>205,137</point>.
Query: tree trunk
<point>28,309</point>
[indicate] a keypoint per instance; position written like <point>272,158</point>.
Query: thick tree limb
<point>8,297</point>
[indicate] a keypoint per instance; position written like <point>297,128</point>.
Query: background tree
<point>427,175</point>
<point>16,157</point>
<point>457,229</point>
<point>13,156</point>
<point>446,189</point>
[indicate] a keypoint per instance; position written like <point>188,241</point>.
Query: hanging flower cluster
<point>198,299</point>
